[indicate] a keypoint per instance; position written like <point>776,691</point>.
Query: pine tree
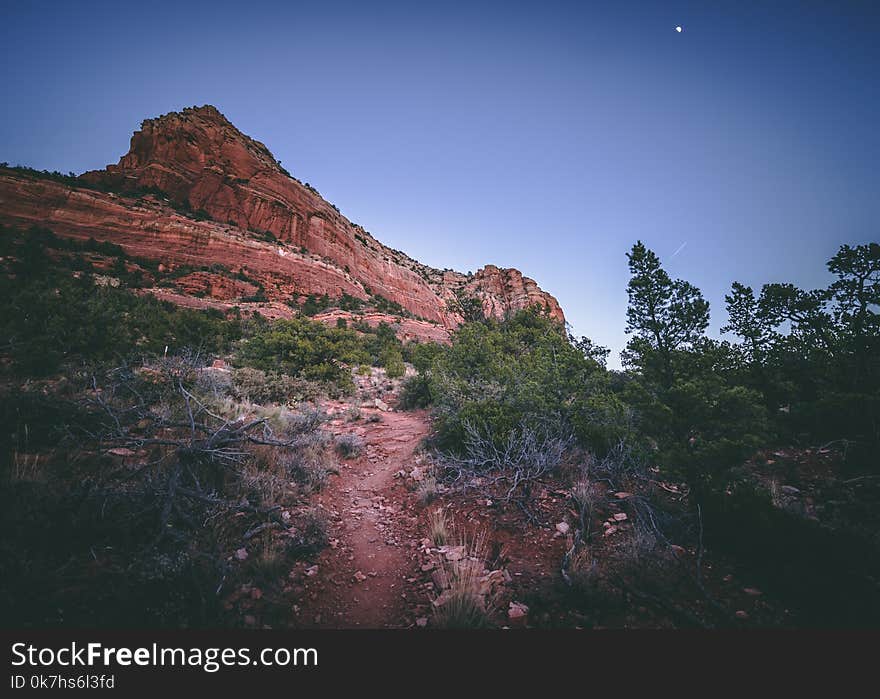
<point>665,314</point>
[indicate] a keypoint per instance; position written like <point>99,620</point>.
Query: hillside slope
<point>194,192</point>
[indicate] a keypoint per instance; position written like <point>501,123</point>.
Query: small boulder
<point>517,610</point>
<point>490,582</point>
<point>121,451</point>
<point>453,553</point>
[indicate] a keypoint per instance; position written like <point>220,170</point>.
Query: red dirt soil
<point>361,578</point>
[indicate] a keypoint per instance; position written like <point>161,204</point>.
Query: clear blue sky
<point>546,136</point>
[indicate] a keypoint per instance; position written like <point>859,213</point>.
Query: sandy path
<point>361,579</point>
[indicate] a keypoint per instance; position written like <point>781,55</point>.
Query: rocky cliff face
<point>193,190</point>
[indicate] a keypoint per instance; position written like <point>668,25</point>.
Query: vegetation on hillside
<point>97,376</point>
<point>136,475</point>
<point>806,368</point>
<point>50,287</point>
<point>518,402</point>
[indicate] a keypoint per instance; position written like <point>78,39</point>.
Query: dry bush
<point>349,446</point>
<point>229,408</point>
<point>307,460</point>
<point>214,383</point>
<point>262,481</point>
<point>310,469</point>
<point>622,460</point>
<point>305,420</point>
<point>268,387</point>
<point>309,531</point>
<point>511,469</point>
<point>302,459</point>
<point>352,413</point>
<point>216,474</point>
<point>637,553</point>
<point>153,477</point>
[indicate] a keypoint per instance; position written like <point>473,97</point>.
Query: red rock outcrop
<point>215,286</point>
<point>273,310</point>
<point>502,290</point>
<point>193,190</point>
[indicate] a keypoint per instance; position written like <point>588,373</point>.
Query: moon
<point>678,29</point>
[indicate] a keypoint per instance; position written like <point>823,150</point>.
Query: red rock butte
<point>194,191</point>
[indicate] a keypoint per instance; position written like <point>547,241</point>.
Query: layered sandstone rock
<point>215,286</point>
<point>193,190</point>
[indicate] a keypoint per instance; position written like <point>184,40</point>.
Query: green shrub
<point>503,375</point>
<point>392,360</point>
<point>416,392</point>
<point>310,350</point>
<point>47,306</point>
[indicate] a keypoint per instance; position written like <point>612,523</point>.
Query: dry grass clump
<point>438,527</point>
<point>263,483</point>
<point>427,489</point>
<point>588,499</point>
<point>464,603</point>
<point>585,575</point>
<point>269,562</point>
<point>309,531</point>
<point>27,468</point>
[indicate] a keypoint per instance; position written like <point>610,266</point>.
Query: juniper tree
<point>665,314</point>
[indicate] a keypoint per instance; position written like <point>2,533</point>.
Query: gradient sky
<point>544,136</point>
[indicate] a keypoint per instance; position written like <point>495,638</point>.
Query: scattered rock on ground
<point>517,610</point>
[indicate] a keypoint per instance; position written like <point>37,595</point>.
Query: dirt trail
<point>361,578</point>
